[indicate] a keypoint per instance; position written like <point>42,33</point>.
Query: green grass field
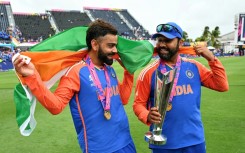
<point>223,116</point>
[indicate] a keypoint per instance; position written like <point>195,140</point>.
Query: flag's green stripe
<point>134,54</point>
<point>71,39</point>
<point>22,104</point>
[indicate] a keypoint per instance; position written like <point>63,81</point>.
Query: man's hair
<point>99,28</point>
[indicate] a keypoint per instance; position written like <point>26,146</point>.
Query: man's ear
<point>94,44</point>
<point>181,42</point>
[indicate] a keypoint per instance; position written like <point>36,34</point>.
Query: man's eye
<point>111,45</point>
<point>164,41</point>
<point>167,40</point>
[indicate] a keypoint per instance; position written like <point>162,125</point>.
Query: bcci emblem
<point>189,74</point>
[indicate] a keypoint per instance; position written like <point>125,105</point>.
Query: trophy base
<point>155,139</point>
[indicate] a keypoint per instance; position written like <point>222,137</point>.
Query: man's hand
<point>154,116</point>
<point>22,67</point>
<point>204,52</point>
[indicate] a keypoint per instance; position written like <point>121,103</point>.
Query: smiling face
<point>167,49</point>
<point>107,48</point>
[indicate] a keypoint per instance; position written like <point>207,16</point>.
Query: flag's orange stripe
<point>51,62</point>
<point>187,50</point>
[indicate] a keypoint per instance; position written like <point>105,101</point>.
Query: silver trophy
<point>163,84</point>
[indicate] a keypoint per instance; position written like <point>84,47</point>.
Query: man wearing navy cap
<point>182,124</point>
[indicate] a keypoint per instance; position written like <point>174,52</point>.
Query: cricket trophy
<point>163,87</point>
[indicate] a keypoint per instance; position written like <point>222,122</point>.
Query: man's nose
<point>114,50</point>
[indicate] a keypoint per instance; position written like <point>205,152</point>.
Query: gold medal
<point>169,106</point>
<point>107,115</point>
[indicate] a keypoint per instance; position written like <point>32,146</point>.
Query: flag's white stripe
<point>55,78</point>
<point>24,125</point>
<point>30,120</point>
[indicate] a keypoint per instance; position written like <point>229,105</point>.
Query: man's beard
<point>169,55</point>
<point>103,57</point>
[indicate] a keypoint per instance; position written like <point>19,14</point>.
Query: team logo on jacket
<point>91,80</point>
<point>113,74</point>
<point>189,74</point>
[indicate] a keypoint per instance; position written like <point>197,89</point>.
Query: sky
<point>191,15</point>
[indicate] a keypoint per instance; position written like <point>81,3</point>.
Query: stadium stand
<point>68,19</point>
<point>137,28</point>
<point>5,15</point>
<point>112,17</point>
<point>4,24</point>
<point>34,27</point>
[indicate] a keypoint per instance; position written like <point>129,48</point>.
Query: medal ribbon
<point>103,97</point>
<point>163,69</point>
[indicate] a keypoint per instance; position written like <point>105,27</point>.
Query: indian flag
<point>14,41</point>
<point>55,55</point>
